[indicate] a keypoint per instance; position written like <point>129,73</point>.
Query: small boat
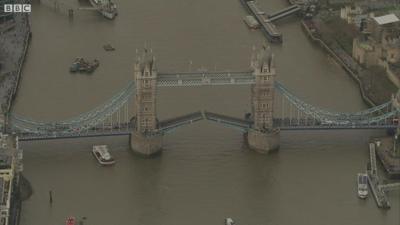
<point>82,65</point>
<point>229,221</point>
<point>362,185</point>
<point>251,22</point>
<point>70,221</point>
<point>108,47</point>
<point>102,155</point>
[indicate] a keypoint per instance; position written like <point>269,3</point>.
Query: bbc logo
<point>17,8</point>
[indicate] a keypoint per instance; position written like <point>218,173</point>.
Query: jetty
<point>373,180</point>
<point>378,188</point>
<point>266,21</point>
<point>268,28</point>
<point>389,155</point>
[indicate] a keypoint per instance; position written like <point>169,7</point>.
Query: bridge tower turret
<point>145,139</point>
<point>263,137</point>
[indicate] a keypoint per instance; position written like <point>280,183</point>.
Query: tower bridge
<point>273,108</point>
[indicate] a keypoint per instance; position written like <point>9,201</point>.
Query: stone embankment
<point>368,91</point>
<point>14,44</point>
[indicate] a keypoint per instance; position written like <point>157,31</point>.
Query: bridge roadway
<point>173,123</point>
<point>169,125</point>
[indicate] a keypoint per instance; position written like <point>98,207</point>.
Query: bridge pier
<point>263,142</point>
<point>145,144</point>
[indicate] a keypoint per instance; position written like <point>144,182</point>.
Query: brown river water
<point>205,172</point>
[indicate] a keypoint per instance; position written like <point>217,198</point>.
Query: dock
<point>388,156</point>
<point>268,28</point>
<point>373,180</point>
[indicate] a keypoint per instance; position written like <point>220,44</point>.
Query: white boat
<point>362,185</point>
<point>229,221</point>
<point>102,155</point>
<point>251,22</point>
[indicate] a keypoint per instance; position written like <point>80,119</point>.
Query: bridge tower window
<point>146,83</point>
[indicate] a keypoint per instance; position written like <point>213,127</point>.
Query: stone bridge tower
<point>145,139</point>
<point>263,137</point>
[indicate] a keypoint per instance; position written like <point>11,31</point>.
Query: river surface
<point>205,172</point>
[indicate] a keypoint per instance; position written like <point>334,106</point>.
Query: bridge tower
<point>145,139</point>
<point>263,136</point>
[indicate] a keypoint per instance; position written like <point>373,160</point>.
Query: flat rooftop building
<point>10,168</point>
<point>5,161</point>
<point>386,19</point>
<point>380,26</point>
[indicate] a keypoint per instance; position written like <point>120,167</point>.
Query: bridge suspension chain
<point>84,121</point>
<point>318,112</point>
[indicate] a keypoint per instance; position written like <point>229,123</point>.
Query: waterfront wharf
<point>389,159</point>
<point>373,180</point>
<point>269,29</point>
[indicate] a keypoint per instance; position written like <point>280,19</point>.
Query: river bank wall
<point>307,29</point>
<point>14,48</point>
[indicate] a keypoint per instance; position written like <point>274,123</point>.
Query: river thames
<point>205,172</point>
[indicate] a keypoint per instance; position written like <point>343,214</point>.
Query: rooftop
<point>386,19</point>
<point>7,141</point>
<point>5,161</point>
<point>1,189</point>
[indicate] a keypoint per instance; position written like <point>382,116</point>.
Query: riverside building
<point>10,168</point>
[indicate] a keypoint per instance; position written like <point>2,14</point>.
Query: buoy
<point>70,13</point>
<point>51,197</point>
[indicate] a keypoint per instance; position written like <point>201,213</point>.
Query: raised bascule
<point>273,109</point>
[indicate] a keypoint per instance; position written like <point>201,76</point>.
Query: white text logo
<point>17,8</point>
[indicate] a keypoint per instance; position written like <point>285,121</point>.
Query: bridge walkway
<point>284,12</point>
<point>391,186</point>
<point>186,79</point>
